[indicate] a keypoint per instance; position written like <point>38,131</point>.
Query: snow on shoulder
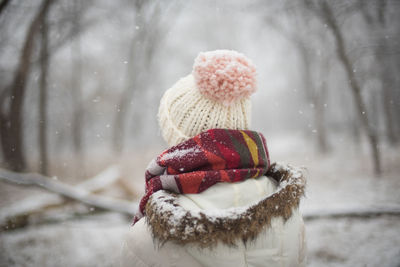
<point>169,221</point>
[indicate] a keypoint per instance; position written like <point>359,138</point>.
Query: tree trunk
<point>319,118</point>
<point>145,40</point>
<point>354,86</point>
<point>76,78</point>
<point>388,82</point>
<point>44,65</point>
<point>132,76</point>
<point>317,96</point>
<point>12,119</point>
<point>377,24</point>
<point>388,113</point>
<point>124,104</point>
<point>3,5</point>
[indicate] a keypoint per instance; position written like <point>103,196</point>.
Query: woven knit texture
<point>184,112</point>
<point>213,156</point>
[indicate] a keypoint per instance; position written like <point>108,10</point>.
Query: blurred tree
<point>314,86</point>
<point>13,97</point>
<point>77,125</point>
<point>148,31</point>
<point>374,13</point>
<point>44,38</point>
<point>3,5</point>
<point>44,67</point>
<point>324,11</point>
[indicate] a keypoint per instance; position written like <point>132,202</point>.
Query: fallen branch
<point>73,192</point>
<point>357,212</point>
<point>82,193</point>
<point>35,204</point>
<point>101,180</point>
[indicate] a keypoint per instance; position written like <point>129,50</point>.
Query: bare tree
<point>134,70</point>
<point>44,66</point>
<point>148,33</point>
<point>325,13</point>
<point>76,83</point>
<point>376,21</point>
<point>11,117</point>
<point>314,89</point>
<point>3,5</point>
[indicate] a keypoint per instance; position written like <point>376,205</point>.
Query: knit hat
<point>215,95</point>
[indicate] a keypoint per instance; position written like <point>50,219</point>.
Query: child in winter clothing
<point>213,198</point>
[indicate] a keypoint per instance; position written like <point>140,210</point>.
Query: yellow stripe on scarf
<point>256,175</point>
<point>252,148</point>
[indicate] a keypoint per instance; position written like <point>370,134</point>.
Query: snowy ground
<point>94,241</point>
<point>341,181</point>
<point>354,242</point>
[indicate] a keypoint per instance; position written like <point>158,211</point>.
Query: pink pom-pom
<point>224,75</point>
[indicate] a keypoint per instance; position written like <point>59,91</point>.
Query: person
<point>213,198</point>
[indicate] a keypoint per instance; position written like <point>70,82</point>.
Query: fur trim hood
<point>168,221</point>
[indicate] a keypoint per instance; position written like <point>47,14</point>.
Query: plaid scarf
<point>213,156</point>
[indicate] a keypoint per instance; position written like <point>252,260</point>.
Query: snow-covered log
<point>81,193</point>
<point>351,212</point>
<point>36,203</point>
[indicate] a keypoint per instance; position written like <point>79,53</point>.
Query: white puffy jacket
<point>251,223</point>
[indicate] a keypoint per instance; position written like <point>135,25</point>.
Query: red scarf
<point>213,156</point>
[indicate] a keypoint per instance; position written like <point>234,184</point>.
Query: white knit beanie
<point>215,95</point>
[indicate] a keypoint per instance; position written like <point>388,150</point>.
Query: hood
<point>168,221</point>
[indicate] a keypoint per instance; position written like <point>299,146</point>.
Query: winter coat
<point>251,223</point>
